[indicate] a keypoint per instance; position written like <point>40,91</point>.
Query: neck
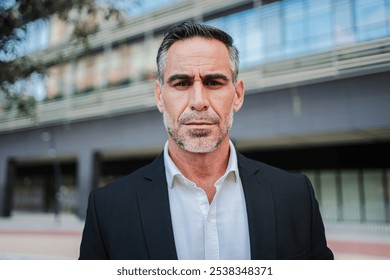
<point>204,169</point>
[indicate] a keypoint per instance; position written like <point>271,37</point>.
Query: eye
<point>182,85</point>
<point>213,84</point>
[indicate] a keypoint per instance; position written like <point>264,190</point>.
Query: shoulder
<point>288,190</point>
<point>130,183</point>
<point>260,167</point>
<point>276,178</point>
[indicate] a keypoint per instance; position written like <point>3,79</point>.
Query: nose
<point>198,98</point>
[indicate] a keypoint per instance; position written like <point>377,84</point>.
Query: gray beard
<point>196,140</point>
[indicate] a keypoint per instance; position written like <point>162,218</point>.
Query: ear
<point>239,95</point>
<point>157,94</point>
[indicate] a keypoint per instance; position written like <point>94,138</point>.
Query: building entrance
<point>43,186</point>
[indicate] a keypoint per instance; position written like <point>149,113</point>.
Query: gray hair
<point>190,29</point>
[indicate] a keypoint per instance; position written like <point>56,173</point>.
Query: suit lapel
<point>155,213</point>
<point>260,208</point>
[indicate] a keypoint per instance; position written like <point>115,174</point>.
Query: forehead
<point>198,54</point>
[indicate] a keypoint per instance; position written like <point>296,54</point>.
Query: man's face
<point>198,97</point>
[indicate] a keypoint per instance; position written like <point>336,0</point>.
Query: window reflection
<point>290,28</point>
<point>371,19</point>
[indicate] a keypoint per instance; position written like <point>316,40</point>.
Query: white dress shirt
<point>208,231</point>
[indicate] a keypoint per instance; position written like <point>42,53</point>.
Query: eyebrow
<point>178,77</point>
<point>204,78</point>
<point>215,77</point>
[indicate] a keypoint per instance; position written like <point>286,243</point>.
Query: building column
<point>7,174</point>
<point>87,178</point>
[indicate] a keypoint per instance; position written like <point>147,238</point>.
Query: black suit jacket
<point>130,218</point>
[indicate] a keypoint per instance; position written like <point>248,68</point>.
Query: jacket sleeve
<point>319,248</point>
<point>92,244</point>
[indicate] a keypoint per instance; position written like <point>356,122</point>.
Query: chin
<point>201,145</point>
<point>201,150</point>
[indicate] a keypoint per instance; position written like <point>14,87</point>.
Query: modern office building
<point>317,76</point>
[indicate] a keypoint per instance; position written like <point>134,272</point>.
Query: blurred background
<point>77,108</point>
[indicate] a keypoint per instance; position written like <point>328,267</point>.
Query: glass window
<point>139,55</point>
<point>343,22</point>
<point>350,194</point>
<point>328,194</point>
<point>370,19</point>
<point>234,26</point>
<point>271,25</point>
<point>246,32</point>
<point>118,65</point>
<point>99,70</point>
<point>56,82</point>
<point>374,195</point>
<point>294,24</point>
<point>289,28</point>
<point>60,31</point>
<point>150,49</point>
<point>252,40</point>
<point>85,77</point>
<point>319,25</point>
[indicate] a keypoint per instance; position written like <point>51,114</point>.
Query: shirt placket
<point>211,235</point>
<point>211,243</point>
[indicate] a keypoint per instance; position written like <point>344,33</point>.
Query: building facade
<point>317,76</point>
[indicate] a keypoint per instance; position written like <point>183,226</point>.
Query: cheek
<point>174,107</point>
<point>223,107</point>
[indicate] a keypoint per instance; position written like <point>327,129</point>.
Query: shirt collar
<point>171,170</point>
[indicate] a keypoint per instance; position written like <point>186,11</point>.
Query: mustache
<point>199,116</point>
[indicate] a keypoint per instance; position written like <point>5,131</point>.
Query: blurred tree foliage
<point>13,25</point>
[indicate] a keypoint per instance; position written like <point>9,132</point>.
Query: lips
<point>198,123</point>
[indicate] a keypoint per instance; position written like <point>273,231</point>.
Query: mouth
<point>198,124</point>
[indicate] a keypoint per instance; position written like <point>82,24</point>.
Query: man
<point>200,199</point>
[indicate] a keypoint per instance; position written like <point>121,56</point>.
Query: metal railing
<point>97,104</point>
<point>347,61</point>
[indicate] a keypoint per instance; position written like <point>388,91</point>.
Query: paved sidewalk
<point>43,236</point>
<point>40,236</point>
<point>359,241</point>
